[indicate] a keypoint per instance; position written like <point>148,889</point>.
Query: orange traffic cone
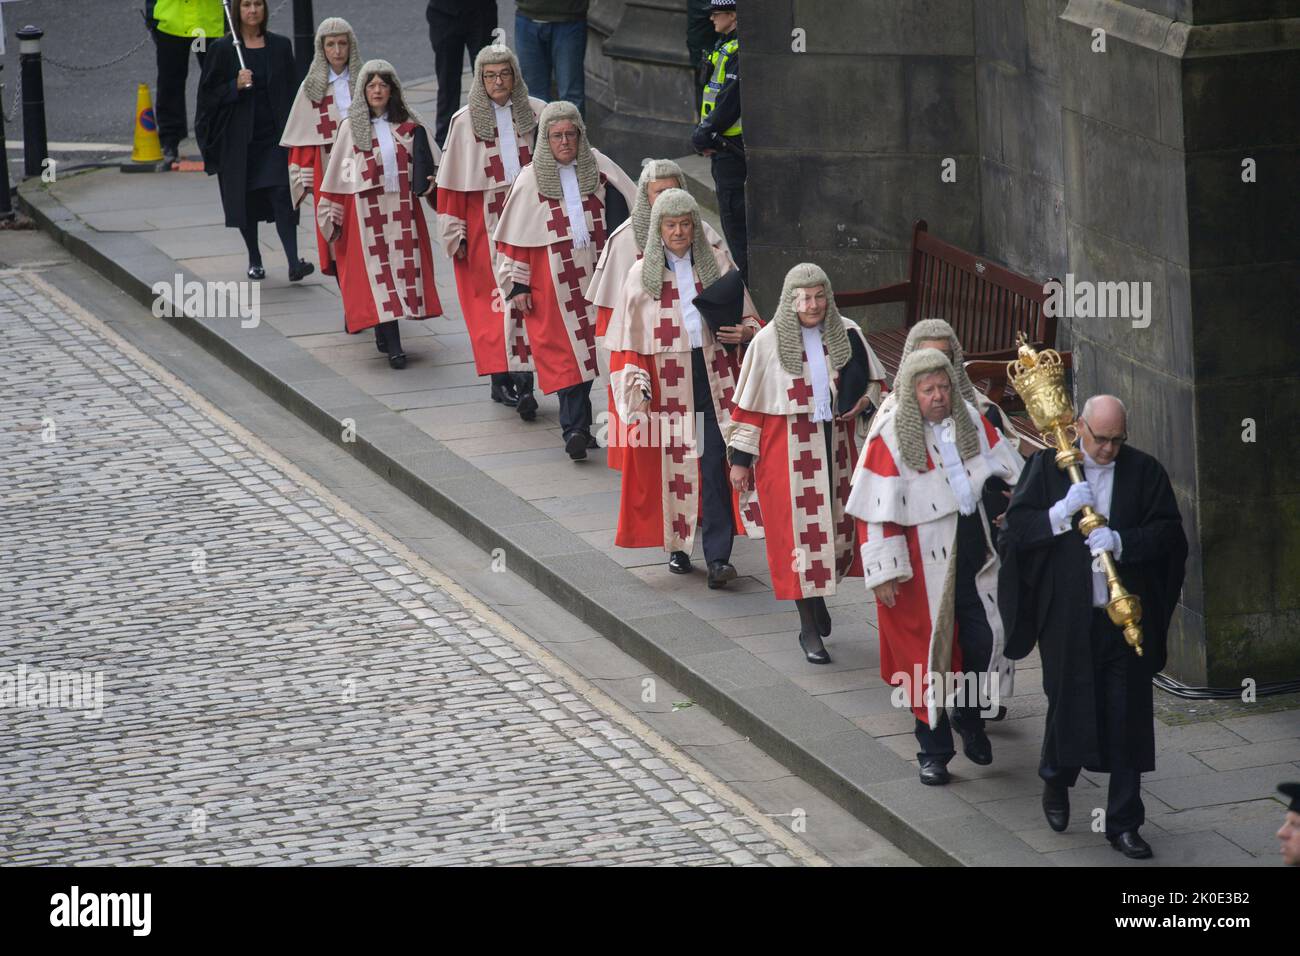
<point>146,151</point>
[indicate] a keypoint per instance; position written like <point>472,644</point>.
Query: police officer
<point>718,134</point>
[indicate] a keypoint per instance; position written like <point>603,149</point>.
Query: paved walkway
<point>277,682</point>
<point>1212,799</point>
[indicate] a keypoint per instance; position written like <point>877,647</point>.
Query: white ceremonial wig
<point>907,419</point>
<point>317,80</point>
<point>789,340</point>
<point>676,202</point>
<point>651,170</point>
<point>481,112</point>
<point>359,112</point>
<point>544,165</point>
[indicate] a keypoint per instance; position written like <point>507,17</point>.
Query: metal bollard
<point>304,36</point>
<point>35,147</point>
<point>6,202</point>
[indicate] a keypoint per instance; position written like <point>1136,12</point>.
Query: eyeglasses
<point>1117,441</point>
<point>502,76</point>
<point>558,137</point>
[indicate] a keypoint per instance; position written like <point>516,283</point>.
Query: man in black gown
<point>1099,712</point>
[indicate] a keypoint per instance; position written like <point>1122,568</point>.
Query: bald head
<point>1103,427</point>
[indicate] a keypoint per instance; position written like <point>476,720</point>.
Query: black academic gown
<point>1045,596</point>
<point>223,123</point>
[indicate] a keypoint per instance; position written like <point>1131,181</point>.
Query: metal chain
<point>18,98</point>
<point>45,57</point>
<point>75,68</point>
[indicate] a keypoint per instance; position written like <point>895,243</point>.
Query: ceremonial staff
<point>1039,378</point>
<point>234,34</point>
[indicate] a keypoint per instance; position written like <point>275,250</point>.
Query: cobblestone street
<point>281,682</point>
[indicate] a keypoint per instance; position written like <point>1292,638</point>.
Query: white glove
<point>1080,494</point>
<point>1104,539</point>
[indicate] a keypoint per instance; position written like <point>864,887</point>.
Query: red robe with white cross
<point>535,248</point>
<point>907,532</point>
<point>309,135</point>
<point>603,291</point>
<point>472,190</point>
<point>808,534</point>
<point>663,448</point>
<point>385,262</point>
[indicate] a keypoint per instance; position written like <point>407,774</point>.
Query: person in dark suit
<point>1051,592</point>
<point>454,27</point>
<point>240,120</point>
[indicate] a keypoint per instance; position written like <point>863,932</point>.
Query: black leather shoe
<point>576,446</point>
<point>720,572</point>
<point>814,651</point>
<point>256,272</point>
<point>823,616</point>
<point>934,772</point>
<point>397,360</point>
<point>975,744</point>
<point>1056,807</point>
<point>301,271</point>
<point>1132,845</point>
<point>679,562</point>
<point>527,406</point>
<point>591,442</point>
<point>171,154</point>
<point>504,395</point>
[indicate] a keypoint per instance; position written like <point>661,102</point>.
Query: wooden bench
<point>985,303</point>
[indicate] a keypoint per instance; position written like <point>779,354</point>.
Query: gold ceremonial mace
<point>1039,378</point>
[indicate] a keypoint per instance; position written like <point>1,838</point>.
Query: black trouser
<point>974,636</point>
<point>1110,664</point>
<point>388,333</point>
<point>286,224</point>
<point>450,37</point>
<point>729,173</point>
<point>575,409</point>
<point>717,526</point>
<point>173,58</point>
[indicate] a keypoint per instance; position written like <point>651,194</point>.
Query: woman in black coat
<point>240,119</point>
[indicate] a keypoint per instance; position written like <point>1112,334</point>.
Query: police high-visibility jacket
<point>724,62</point>
<point>190,18</point>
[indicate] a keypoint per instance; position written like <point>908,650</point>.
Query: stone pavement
<point>279,681</point>
<point>1211,801</point>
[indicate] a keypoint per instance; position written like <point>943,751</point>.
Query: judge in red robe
<point>673,380</point>
<point>318,110</point>
<point>488,143</point>
<point>556,220</point>
<point>791,437</point>
<point>382,164</point>
<point>927,556</point>
<point>624,247</point>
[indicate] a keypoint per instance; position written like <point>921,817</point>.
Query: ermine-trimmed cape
<point>907,532</point>
<point>472,191</point>
<point>606,284</point>
<point>385,262</point>
<point>650,351</point>
<point>808,535</point>
<point>534,248</point>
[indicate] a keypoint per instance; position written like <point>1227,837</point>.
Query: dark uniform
<point>720,130</point>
